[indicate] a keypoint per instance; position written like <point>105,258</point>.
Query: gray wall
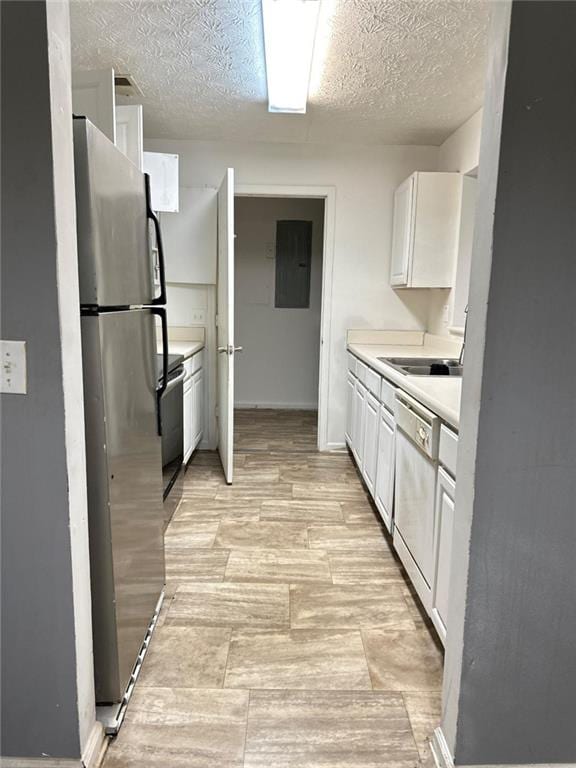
<point>42,510</point>
<point>510,687</point>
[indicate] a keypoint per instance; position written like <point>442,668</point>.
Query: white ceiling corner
<point>396,71</point>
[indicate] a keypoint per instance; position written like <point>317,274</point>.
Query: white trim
<point>443,758</point>
<point>336,447</point>
<point>276,406</point>
<point>328,194</point>
<point>44,762</point>
<point>93,755</point>
<point>440,750</point>
<point>96,747</point>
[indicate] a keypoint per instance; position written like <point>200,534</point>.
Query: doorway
<point>283,296</point>
<point>278,301</point>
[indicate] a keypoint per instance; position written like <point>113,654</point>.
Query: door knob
<point>230,349</point>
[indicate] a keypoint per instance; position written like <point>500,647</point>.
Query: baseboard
<point>276,406</point>
<point>41,762</point>
<point>96,747</point>
<point>443,758</point>
<point>335,447</point>
<point>440,750</point>
<point>92,758</point>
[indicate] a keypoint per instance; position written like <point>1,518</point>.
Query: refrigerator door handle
<point>161,298</point>
<point>161,312</point>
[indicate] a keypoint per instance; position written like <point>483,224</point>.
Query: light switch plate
<point>13,367</point>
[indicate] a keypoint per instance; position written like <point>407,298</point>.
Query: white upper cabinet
<point>163,171</point>
<point>425,230</point>
<point>190,239</point>
<point>402,232</point>
<point>465,241</point>
<point>129,138</point>
<point>93,97</point>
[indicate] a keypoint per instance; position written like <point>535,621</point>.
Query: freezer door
<point>114,252</point>
<point>124,467</point>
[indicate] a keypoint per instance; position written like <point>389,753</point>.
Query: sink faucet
<point>463,347</point>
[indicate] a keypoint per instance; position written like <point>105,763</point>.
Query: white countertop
<point>440,394</point>
<point>184,348</point>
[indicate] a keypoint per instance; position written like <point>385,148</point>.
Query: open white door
<point>93,96</point>
<point>129,136</point>
<point>225,324</point>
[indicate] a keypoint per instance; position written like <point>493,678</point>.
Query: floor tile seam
<point>246,727</point>
<point>366,659</point>
<point>416,745</point>
<point>225,675</point>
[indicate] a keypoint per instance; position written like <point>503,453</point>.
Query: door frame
<point>328,194</point>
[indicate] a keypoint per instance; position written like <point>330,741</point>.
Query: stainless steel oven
<point>172,424</point>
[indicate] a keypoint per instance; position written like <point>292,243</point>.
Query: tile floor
<point>289,636</point>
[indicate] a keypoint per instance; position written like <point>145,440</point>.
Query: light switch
<point>13,367</point>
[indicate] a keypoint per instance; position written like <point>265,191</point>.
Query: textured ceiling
<point>396,71</point>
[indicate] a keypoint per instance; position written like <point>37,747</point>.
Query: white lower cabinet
<point>370,451</point>
<point>188,409</point>
<point>384,489</point>
<point>421,511</point>
<point>444,527</point>
<point>197,407</point>
<point>350,387</point>
<point>360,393</point>
<point>193,405</point>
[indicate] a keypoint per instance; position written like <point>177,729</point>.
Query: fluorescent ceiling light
<point>289,32</point>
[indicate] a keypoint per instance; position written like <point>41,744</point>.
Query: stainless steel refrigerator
<point>122,402</point>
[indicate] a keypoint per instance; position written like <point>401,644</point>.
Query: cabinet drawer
<point>387,391</point>
<point>361,371</point>
<point>373,380</point>
<point>351,363</point>
<point>194,363</point>
<point>198,361</point>
<point>448,450</point>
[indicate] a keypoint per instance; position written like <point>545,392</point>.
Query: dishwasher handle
<point>419,424</point>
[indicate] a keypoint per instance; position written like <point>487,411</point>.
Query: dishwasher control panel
<point>420,425</point>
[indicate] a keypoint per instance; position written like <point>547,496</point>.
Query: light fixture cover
<point>289,32</point>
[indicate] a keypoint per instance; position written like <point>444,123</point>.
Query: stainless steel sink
<point>424,366</point>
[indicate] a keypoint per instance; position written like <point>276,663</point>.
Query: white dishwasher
<point>417,438</point>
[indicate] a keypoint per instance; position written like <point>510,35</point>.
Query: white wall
<point>280,362</point>
<point>187,304</point>
<point>460,153</point>
<point>364,179</point>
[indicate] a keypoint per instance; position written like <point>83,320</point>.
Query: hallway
<point>289,635</point>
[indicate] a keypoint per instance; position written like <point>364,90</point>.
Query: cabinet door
<point>350,381</point>
<point>188,419</point>
<point>198,407</point>
<point>370,455</point>
<point>402,233</point>
<point>443,525</point>
<point>359,406</point>
<point>163,171</point>
<point>190,239</point>
<point>384,492</point>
